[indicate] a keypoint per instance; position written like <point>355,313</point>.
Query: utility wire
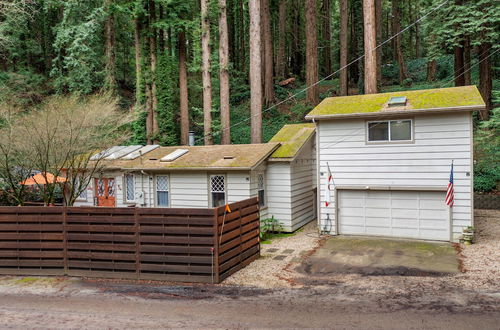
<point>330,75</point>
<point>343,138</point>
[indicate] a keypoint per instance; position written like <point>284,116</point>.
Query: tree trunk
<point>378,20</point>
<point>431,70</point>
<point>109,27</point>
<point>138,62</point>
<point>485,80</point>
<point>153,59</point>
<point>326,33</point>
<point>467,65</point>
<point>224,74</point>
<point>311,52</point>
<point>207,80</point>
<point>161,33</point>
<point>268,54</point>
<point>398,51</point>
<point>255,71</point>
<point>370,33</point>
<point>281,61</point>
<point>183,89</point>
<point>459,65</point>
<point>344,48</point>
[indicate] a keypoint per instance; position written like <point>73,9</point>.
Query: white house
<point>279,173</point>
<point>390,157</point>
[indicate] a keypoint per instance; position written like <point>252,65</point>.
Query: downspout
<point>318,179</point>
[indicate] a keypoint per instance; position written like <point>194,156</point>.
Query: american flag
<point>329,182</point>
<point>449,191</point>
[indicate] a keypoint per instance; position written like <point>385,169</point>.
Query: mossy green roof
<point>429,99</point>
<point>231,157</point>
<point>292,137</point>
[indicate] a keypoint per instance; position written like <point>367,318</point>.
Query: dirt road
<point>285,310</point>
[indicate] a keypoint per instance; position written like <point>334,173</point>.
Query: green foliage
<point>487,154</point>
<point>168,100</point>
<point>78,67</point>
<point>269,226</point>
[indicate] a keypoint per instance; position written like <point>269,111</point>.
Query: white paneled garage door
<point>408,214</point>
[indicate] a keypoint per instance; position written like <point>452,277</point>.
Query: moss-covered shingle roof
<point>466,97</point>
<point>228,157</point>
<point>292,137</point>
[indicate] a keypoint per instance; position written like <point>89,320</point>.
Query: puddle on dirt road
<point>324,267</point>
<point>197,292</point>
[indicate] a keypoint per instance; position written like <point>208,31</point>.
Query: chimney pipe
<point>191,138</point>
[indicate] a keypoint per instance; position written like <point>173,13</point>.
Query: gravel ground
<point>268,272</point>
<point>476,288</point>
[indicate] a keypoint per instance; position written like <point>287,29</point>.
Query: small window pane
<point>162,198</point>
<point>129,186</point>
<point>162,190</point>
<point>378,131</point>
<point>262,195</point>
<point>218,199</point>
<point>400,130</point>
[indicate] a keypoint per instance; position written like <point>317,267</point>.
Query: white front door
<point>406,214</point>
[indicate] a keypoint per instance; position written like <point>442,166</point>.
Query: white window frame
<point>389,131</point>
<point>210,191</point>
<point>167,191</point>
<point>125,186</point>
<point>84,195</point>
<point>263,202</point>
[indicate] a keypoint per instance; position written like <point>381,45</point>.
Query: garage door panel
<point>350,202</point>
<point>354,221</point>
<point>352,212</point>
<point>378,222</point>
<point>378,231</point>
<point>404,223</point>
<point>439,235</point>
<point>377,213</point>
<point>352,230</point>
<point>432,214</point>
<point>431,204</point>
<point>433,224</point>
<point>406,214</point>
<point>404,204</point>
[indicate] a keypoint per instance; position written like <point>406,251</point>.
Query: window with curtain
<point>261,188</point>
<point>129,187</point>
<point>162,191</point>
<point>218,190</point>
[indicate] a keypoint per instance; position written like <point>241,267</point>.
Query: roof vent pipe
<point>191,138</point>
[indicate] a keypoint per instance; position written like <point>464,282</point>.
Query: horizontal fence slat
<point>173,244</point>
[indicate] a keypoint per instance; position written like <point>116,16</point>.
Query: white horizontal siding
<point>189,190</point>
<point>279,193</point>
<point>438,139</point>
<point>238,186</point>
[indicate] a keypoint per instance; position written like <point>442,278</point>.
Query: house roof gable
<point>292,138</point>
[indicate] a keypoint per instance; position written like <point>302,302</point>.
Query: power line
<point>330,75</point>
<point>382,116</point>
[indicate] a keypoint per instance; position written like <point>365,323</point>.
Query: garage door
<point>407,214</point>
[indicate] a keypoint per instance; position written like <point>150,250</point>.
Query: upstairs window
<point>261,189</point>
<point>129,188</point>
<point>390,131</point>
<point>218,190</point>
<point>162,191</point>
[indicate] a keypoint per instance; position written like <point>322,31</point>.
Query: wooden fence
<point>170,244</point>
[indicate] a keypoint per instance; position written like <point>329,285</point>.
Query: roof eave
<point>396,112</point>
<point>276,146</point>
<point>158,169</point>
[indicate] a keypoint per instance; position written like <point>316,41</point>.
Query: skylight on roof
<point>397,101</point>
<point>174,155</point>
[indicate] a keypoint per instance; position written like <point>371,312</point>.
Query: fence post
<point>137,245</point>
<point>216,246</point>
<point>65,239</point>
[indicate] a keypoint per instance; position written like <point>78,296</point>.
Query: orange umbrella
<point>42,178</point>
